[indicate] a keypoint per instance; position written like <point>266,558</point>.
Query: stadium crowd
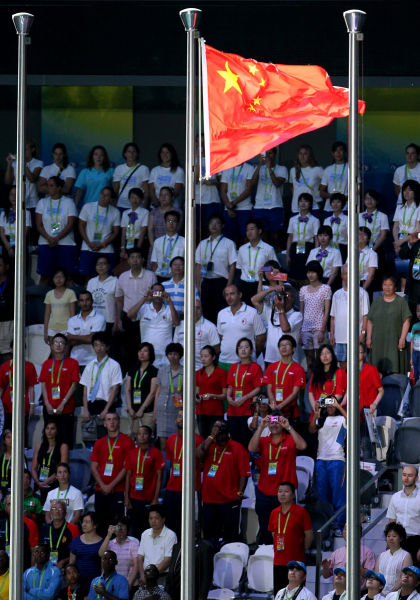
<point>270,353</point>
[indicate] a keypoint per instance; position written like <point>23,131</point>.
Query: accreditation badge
<point>137,397</point>
<point>139,483</point>
<point>109,467</point>
<point>177,400</point>
<point>279,395</point>
<point>54,557</point>
<point>97,236</point>
<point>300,247</point>
<point>44,473</point>
<point>272,468</point>
<point>176,469</point>
<point>238,394</point>
<point>213,470</point>
<point>55,228</point>
<point>55,392</point>
<point>279,542</point>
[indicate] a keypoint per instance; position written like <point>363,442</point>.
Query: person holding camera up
<point>329,419</point>
<point>327,379</point>
<point>277,462</point>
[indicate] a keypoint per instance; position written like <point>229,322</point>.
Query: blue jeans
<point>416,363</point>
<point>331,485</point>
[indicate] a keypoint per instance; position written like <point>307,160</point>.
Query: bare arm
<point>308,538</point>
<point>231,274</point>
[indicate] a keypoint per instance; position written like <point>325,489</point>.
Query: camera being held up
<point>327,401</point>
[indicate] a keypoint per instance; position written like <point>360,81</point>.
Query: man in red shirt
<point>108,470</point>
<point>59,377</point>
<point>173,495</point>
<point>143,478</point>
<point>225,473</point>
<point>276,459</point>
<point>292,532</point>
<point>285,379</point>
<point>371,392</point>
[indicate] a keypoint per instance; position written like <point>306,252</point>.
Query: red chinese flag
<point>250,106</point>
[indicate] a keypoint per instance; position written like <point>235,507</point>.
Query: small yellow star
<point>262,82</point>
<point>252,69</point>
<point>250,107</point>
<point>257,100</point>
<point>231,80</point>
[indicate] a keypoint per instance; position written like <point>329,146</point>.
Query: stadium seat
<point>415,399</point>
<point>407,441</point>
<point>228,570</point>
<point>80,469</point>
<point>265,550</point>
<point>221,594</point>
<point>237,548</point>
<point>304,470</point>
<point>394,388</point>
<point>37,351</point>
<point>260,573</point>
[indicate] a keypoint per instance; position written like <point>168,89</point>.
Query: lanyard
<point>337,228</point>
<point>4,473</point>
<point>180,452</point>
<point>6,533</point>
<point>211,251</point>
<point>141,378</point>
<point>284,374</point>
<point>97,216</point>
<point>255,258</point>
<point>361,368</point>
<point>243,376</point>
<point>59,539</point>
<point>267,177</point>
<point>171,383</point>
<point>54,218</point>
<point>98,581</point>
<point>374,222</point>
<point>111,450</point>
<point>42,576</point>
<point>144,458</point>
<point>304,229</point>
<point>220,458</point>
<point>65,495</point>
<point>59,372</point>
<point>334,380</point>
<point>285,525</point>
<point>5,578</point>
<point>411,216</point>
<point>98,374</point>
<point>49,459</point>
<point>341,176</point>
<point>305,182</point>
<point>362,260</point>
<point>10,374</point>
<point>3,287</point>
<point>277,455</point>
<point>408,174</point>
<point>235,180</point>
<point>172,249</point>
<point>72,595</point>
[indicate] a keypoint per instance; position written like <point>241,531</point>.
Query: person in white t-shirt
<point>133,222</point>
<point>102,287</point>
<point>33,168</point>
<point>167,246</point>
<point>72,497</point>
<point>411,169</point>
<point>329,257</point>
<point>59,168</point>
<point>368,259</point>
<point>235,191</point>
<point>406,221</point>
<point>335,177</point>
<point>205,334</point>
<point>168,174</point>
<point>339,223</point>
<point>306,176</point>
<point>131,174</point>
<point>207,196</point>
<point>8,224</point>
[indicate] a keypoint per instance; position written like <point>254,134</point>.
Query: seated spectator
<point>74,587</point>
<point>4,575</point>
<point>143,478</point>
<point>101,380</point>
<point>225,473</point>
<point>301,237</point>
<point>32,507</point>
<point>409,583</point>
<point>102,287</point>
<point>84,550</point>
<point>235,190</point>
<point>155,545</point>
<point>375,583</point>
<point>71,496</point>
<point>296,588</point>
<point>167,173</point>
<point>42,580</point>
<point>125,549</point>
<point>92,180</point>
<point>133,222</point>
<point>59,378</point>
<point>169,394</point>
<point>334,178</point>
<point>326,379</point>
<point>150,588</point>
<point>60,305</point>
<point>339,584</point>
<point>339,223</point>
<point>99,225</point>
<point>205,334</point>
<point>394,559</point>
<point>81,328</point>
<point>61,168</point>
<point>167,246</point>
<point>58,534</point>
<point>8,224</point>
<point>329,257</point>
<point>110,584</point>
<point>368,259</point>
<point>175,286</point>
<point>47,455</point>
<point>140,387</point>
<point>7,310</point>
<point>129,175</point>
<point>210,391</point>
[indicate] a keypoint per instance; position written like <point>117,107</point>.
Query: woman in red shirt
<point>210,382</point>
<point>244,384</point>
<point>327,379</point>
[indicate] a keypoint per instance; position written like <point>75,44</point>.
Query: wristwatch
<point>363,332</point>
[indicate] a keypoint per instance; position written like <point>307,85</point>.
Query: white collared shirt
<point>155,549</point>
<point>252,258</point>
<point>379,223</point>
<point>335,177</point>
<point>205,335</point>
<point>304,594</point>
<point>330,595</point>
<point>110,375</point>
<point>402,174</point>
<point>303,232</point>
<point>329,262</point>
<point>77,325</point>
<point>367,259</point>
<point>406,511</point>
<point>165,249</point>
<point>156,327</point>
<point>221,252</point>
<point>339,229</point>
<point>135,228</point>
<point>395,595</point>
<point>246,322</point>
<point>274,332</point>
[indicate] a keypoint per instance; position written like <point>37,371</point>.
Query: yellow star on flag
<point>252,69</point>
<point>257,100</point>
<point>262,82</point>
<point>250,107</point>
<point>231,80</point>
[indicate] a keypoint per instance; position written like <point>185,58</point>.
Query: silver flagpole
<point>354,20</point>
<point>190,18</point>
<point>22,23</point>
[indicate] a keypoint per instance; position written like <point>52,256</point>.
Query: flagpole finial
<point>190,18</point>
<point>354,20</point>
<point>22,22</point>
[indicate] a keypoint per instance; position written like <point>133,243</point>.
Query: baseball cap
<point>338,570</point>
<point>376,575</point>
<point>297,564</point>
<point>412,568</point>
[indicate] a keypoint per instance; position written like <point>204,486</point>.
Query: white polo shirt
<point>156,327</point>
<point>133,229</point>
<point>165,248</point>
<point>252,258</point>
<point>246,322</point>
<point>406,511</point>
<point>339,312</point>
<point>303,232</point>
<point>55,216</point>
<point>274,332</point>
<point>76,325</point>
<point>205,335</point>
<point>155,549</point>
<point>330,261</point>
<point>206,192</point>
<point>367,259</point>
<point>99,222</point>
<point>103,293</point>
<point>339,229</point>
<point>236,179</point>
<point>221,252</point>
<point>335,177</point>
<point>110,375</point>
<point>402,174</point>
<point>407,217</point>
<point>304,594</point>
<point>129,177</point>
<point>72,497</point>
<point>379,223</point>
<point>268,195</point>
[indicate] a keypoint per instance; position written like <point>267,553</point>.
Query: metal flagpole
<point>22,23</point>
<point>354,20</point>
<point>190,18</point>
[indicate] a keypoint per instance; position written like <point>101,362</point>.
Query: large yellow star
<point>252,69</point>
<point>257,100</point>
<point>231,80</point>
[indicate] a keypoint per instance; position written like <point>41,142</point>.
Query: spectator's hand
<point>284,423</point>
<point>127,502</point>
<point>317,409</point>
<point>86,415</point>
<point>149,296</point>
<point>140,413</point>
<point>9,159</point>
<point>111,529</point>
<point>99,589</point>
<point>52,241</point>
<point>265,422</point>
<point>132,413</point>
<point>49,408</point>
<point>216,428</point>
<point>106,489</point>
<point>59,409</point>
<point>401,344</point>
<point>414,237</point>
<point>103,415</point>
<point>117,327</point>
<point>11,252</point>
<point>332,339</point>
<point>321,336</point>
<point>372,408</point>
<point>142,580</point>
<point>231,213</point>
<point>46,339</point>
<point>362,338</point>
<point>166,296</point>
<point>368,342</point>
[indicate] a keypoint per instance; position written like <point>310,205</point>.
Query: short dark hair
<point>149,346</point>
<point>325,230</point>
<point>137,192</point>
<point>306,196</point>
<point>287,338</point>
<point>177,258</point>
<point>123,520</point>
<point>100,336</point>
<point>172,213</point>
<point>127,145</point>
<point>149,429</point>
<point>254,221</point>
<point>59,335</point>
<point>84,293</point>
<point>73,566</point>
<point>315,267</point>
<point>289,484</point>
<point>65,465</point>
<point>174,347</point>
<point>398,528</point>
<point>243,339</point>
<point>340,197</point>
<point>338,144</point>
<point>159,508</point>
<point>93,516</point>
<point>366,231</point>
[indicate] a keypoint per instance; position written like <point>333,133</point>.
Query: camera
<point>157,294</point>
<point>327,401</point>
<point>281,295</point>
<point>274,419</point>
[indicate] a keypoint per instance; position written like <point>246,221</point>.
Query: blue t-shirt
<point>87,559</point>
<point>92,181</point>
<point>115,584</point>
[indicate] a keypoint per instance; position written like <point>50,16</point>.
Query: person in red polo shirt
<point>173,495</point>
<point>276,459</point>
<point>59,377</point>
<point>6,392</point>
<point>143,478</point>
<point>291,527</point>
<point>371,392</point>
<point>210,382</point>
<point>107,458</point>
<point>225,473</point>
<point>285,379</point>
<point>327,379</point>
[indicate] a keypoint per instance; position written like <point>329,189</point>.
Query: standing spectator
<point>291,528</point>
<point>335,177</point>
<point>92,180</point>
<point>58,378</point>
<point>326,379</point>
<point>6,309</point>
<point>329,257</point>
<point>4,575</point>
<point>374,220</point>
<point>55,218</point>
<point>71,496</point>
<point>156,545</point>
<point>167,246</point>
<point>169,394</point>
<point>81,327</point>
<point>368,259</point>
<point>409,582</point>
<point>44,579</point>
<point>125,548</point>
<point>61,168</point>
<point>411,170</point>
<point>206,190</point>
<point>210,387</point>
<point>169,173</point>
<point>215,262</point>
<point>394,559</point>
<point>236,321</point>
<point>225,473</point>
<point>301,237</point>
<point>251,257</point>
<point>110,584</point>
<point>143,478</point>
<point>102,287</point>
<point>404,508</point>
<point>8,224</point>
<point>108,470</point>
<point>235,191</point>
<point>84,550</point>
<point>243,385</point>
<point>156,223</point>
<point>276,459</point>
<point>140,387</point>
<point>205,333</point>
<point>60,306</point>
<point>129,175</point>
<point>305,176</point>
<point>133,222</point>
<point>296,588</point>
<point>58,534</point>
<point>406,221</point>
<point>339,224</point>
<point>6,394</point>
<point>315,303</point>
<point>175,286</point>
<point>47,455</point>
<point>414,346</point>
<point>99,225</point>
